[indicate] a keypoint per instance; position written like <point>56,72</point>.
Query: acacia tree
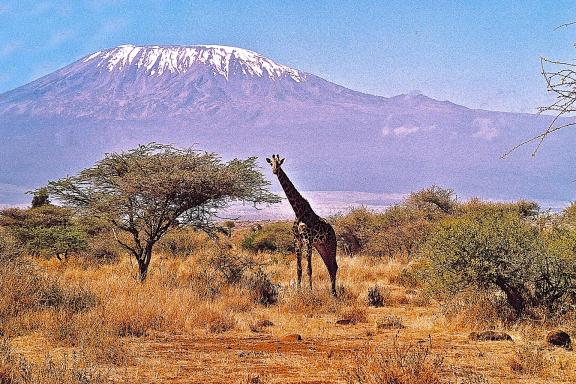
<point>151,189</point>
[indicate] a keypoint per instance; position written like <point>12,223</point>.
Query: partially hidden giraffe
<point>309,229</point>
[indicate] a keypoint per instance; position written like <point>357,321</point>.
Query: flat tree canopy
<point>150,189</point>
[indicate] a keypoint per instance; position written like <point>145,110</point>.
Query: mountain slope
<point>240,103</point>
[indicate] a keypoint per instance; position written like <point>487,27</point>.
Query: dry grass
<point>74,369</point>
<point>119,326</point>
<point>354,314</point>
<point>402,364</point>
<point>475,311</point>
<point>390,322</point>
<point>530,360</point>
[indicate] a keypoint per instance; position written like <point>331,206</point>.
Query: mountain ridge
<point>334,137</point>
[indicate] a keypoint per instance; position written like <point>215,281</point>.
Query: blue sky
<point>482,54</point>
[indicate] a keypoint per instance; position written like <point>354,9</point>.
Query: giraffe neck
<point>299,204</point>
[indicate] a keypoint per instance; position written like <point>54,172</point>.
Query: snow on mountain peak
<point>156,60</point>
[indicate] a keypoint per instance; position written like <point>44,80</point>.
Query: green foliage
<point>355,229</point>
<point>273,237</point>
<point>480,247</point>
<point>10,250</point>
<point>40,198</point>
<point>57,241</point>
<point>149,190</point>
<point>434,201</point>
<point>398,231</point>
<point>495,247</point>
<point>569,214</point>
<point>555,285</point>
<point>46,230</point>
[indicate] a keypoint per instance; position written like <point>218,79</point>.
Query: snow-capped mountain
<point>134,82</point>
<point>157,60</point>
<point>240,103</point>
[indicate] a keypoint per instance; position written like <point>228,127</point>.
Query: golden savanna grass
<point>81,322</point>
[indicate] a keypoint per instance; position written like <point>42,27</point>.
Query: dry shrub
<point>24,290</point>
<point>181,242</point>
<point>375,298</point>
<point>391,298</point>
<point>476,310</point>
<point>75,369</point>
<point>206,283</point>
<point>408,277</point>
<point>90,333</point>
<point>259,325</point>
<point>530,360</point>
<point>134,317</point>
<point>217,322</point>
<point>408,364</point>
<point>252,379</point>
<point>232,267</point>
<point>261,289</point>
<point>390,322</point>
<point>8,362</point>
<point>420,299</point>
<point>310,303</point>
<point>355,314</point>
<point>103,249</point>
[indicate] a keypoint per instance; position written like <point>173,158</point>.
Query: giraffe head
<point>276,162</point>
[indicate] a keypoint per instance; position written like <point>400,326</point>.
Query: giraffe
<point>309,229</point>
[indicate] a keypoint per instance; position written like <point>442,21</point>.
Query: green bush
<point>273,237</point>
<point>494,247</point>
<point>398,231</point>
<point>355,229</point>
<point>9,248</point>
<point>47,230</point>
<point>433,201</point>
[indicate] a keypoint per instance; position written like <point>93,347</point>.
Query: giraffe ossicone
<point>309,229</point>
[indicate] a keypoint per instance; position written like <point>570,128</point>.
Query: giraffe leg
<point>327,251</point>
<point>309,260</point>
<point>298,249</point>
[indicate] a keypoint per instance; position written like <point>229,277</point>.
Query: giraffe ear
<point>269,161</point>
<point>282,161</point>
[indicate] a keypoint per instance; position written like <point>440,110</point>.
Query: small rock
<point>559,338</point>
<point>344,322</point>
<point>293,337</point>
<point>489,336</point>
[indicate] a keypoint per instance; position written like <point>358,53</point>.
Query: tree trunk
<point>515,296</point>
<point>142,269</point>
<point>144,261</point>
